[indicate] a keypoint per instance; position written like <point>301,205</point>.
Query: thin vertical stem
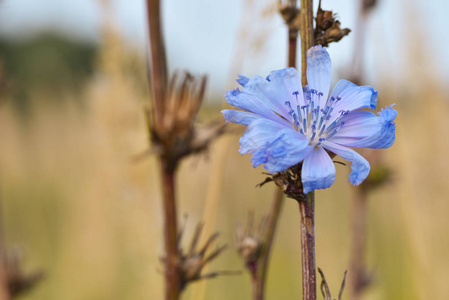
<point>172,282</point>
<point>260,275</point>
<point>359,279</point>
<point>306,207</point>
<point>358,247</point>
<point>158,84</point>
<point>292,44</point>
<point>4,291</point>
<point>307,211</point>
<point>158,63</point>
<point>307,37</point>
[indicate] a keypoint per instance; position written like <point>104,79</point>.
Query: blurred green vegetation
<point>48,63</point>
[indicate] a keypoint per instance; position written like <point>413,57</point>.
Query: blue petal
<point>379,131</point>
<point>360,167</point>
<point>286,150</point>
<point>258,134</point>
<point>273,145</point>
<point>288,80</point>
<point>318,170</point>
<point>319,71</point>
<point>357,126</point>
<point>239,117</point>
<point>270,93</point>
<point>352,97</point>
<point>254,104</point>
<point>243,80</point>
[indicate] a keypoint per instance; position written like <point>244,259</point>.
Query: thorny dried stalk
<point>173,135</point>
<point>158,84</point>
<point>254,245</point>
<point>325,288</point>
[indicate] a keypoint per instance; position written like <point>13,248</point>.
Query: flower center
<point>312,120</point>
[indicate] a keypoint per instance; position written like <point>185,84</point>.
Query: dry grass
<point>89,217</point>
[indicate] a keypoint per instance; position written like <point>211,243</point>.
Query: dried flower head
<point>172,124</point>
<point>250,241</point>
<point>327,29</point>
<point>290,13</point>
<point>192,262</point>
<point>19,281</point>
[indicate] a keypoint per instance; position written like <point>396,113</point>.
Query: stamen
<point>322,129</point>
<point>336,130</point>
<point>292,113</point>
<point>320,141</point>
<point>331,126</point>
<point>298,110</point>
<point>313,131</point>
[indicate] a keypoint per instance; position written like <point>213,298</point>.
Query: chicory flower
<point>287,124</point>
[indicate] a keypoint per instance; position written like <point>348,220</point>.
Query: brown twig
<point>158,64</point>
<point>307,211</point>
<point>172,282</point>
<point>359,278</point>
<point>4,291</point>
<point>307,35</point>
<point>260,273</point>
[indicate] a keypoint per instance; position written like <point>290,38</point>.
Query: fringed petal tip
<point>319,72</point>
<point>388,130</point>
<point>318,171</point>
<point>230,96</point>
<point>388,114</point>
<point>317,54</point>
<point>373,101</point>
<point>284,73</point>
<point>360,166</point>
<point>242,80</point>
<point>359,171</point>
<point>239,117</point>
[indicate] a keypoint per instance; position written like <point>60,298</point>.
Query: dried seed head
<point>192,262</point>
<point>327,28</point>
<point>173,131</point>
<point>18,281</point>
<point>249,241</point>
<point>290,13</point>
<point>249,248</point>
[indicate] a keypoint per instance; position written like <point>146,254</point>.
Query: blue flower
<point>287,124</point>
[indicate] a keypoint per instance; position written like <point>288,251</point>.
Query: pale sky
<point>202,35</point>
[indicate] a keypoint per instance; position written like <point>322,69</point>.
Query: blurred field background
<point>78,208</point>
